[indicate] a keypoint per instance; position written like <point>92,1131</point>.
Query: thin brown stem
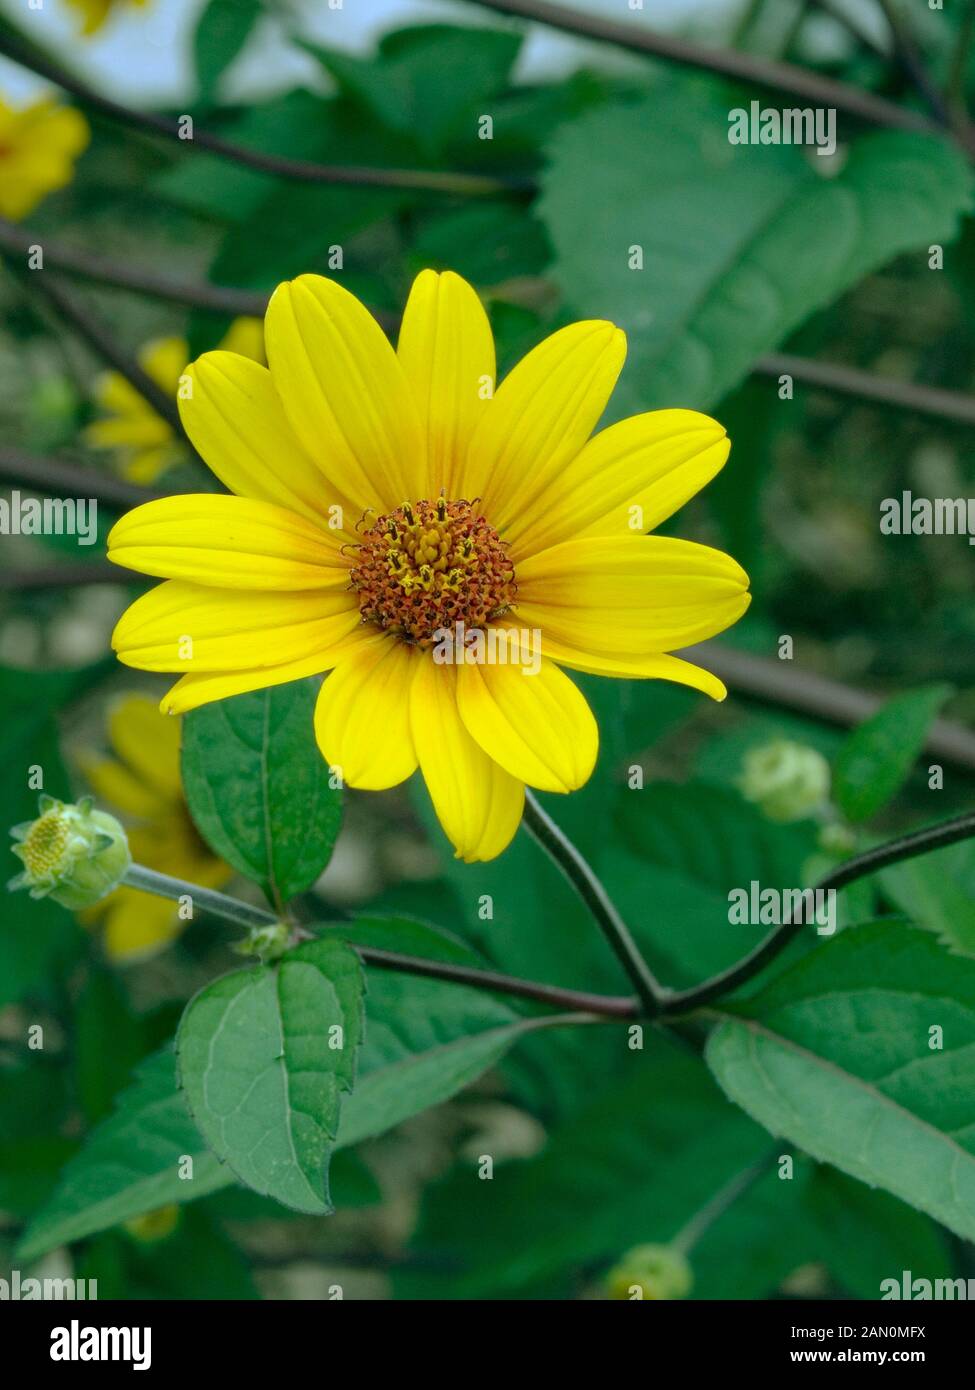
<point>744,67</point>
<point>933,401</point>
<point>67,576</point>
<point>780,683</point>
<point>912,61</point>
<point>932,837</point>
<point>580,874</point>
<point>17,241</point>
<point>101,341</point>
<point>910,396</point>
<point>63,477</point>
<point>458,184</point>
<point>247,915</point>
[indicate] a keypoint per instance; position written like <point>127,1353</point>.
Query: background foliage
<point>747,251</point>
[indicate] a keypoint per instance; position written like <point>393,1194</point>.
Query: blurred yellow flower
<point>143,784</point>
<point>38,148</point>
<point>147,444</point>
<point>392,503</point>
<point>94,13</point>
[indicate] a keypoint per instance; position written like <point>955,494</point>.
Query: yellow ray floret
<point>441,544</point>
<point>38,148</point>
<point>141,782</point>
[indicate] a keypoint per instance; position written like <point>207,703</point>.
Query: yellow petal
<point>362,718</point>
<point>478,804</point>
<point>143,430</point>
<point>345,392</point>
<point>447,351</point>
<point>235,421</point>
<point>246,336</point>
<point>200,689</point>
<point>625,481</point>
<point>148,744</point>
<point>180,626</point>
<point>541,416</point>
<point>630,596</point>
<point>165,360</point>
<point>146,465</point>
<point>532,720</point>
<point>232,542</point>
<point>656,666</point>
<point>138,925</point>
<point>118,787</point>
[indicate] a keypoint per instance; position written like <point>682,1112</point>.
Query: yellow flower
<point>147,443</point>
<point>94,13</point>
<point>384,496</point>
<point>143,784</point>
<point>38,148</point>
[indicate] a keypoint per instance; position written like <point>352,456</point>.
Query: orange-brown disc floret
<point>428,565</point>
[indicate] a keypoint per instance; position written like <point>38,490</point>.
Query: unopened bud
<point>787,780</point>
<point>71,853</point>
<point>266,943</point>
<point>650,1271</point>
<point>153,1225</point>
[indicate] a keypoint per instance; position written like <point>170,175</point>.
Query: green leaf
<point>408,937</point>
<point>196,1261</point>
<point>937,891</point>
<point>633,1166</point>
<point>864,1235</point>
<point>108,1042</point>
<point>425,1040</point>
<point>265,1056</point>
<point>221,33</point>
<point>834,1056</point>
<point>37,936</point>
<point>729,265</point>
<point>130,1164</point>
<point>429,81</point>
<point>679,852</point>
<point>876,760</point>
<point>258,787</point>
<point>296,124</point>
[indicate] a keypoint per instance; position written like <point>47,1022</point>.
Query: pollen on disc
<point>428,565</point>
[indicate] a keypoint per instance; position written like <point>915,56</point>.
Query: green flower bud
<point>650,1271</point>
<point>787,780</point>
<point>837,840</point>
<point>71,853</point>
<point>266,943</point>
<point>153,1226</point>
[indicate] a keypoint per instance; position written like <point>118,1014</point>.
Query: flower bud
<point>650,1271</point>
<point>71,853</point>
<point>787,780</point>
<point>266,943</point>
<point>153,1225</point>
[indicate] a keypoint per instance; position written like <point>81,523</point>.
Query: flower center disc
<point>45,845</point>
<point>428,565</point>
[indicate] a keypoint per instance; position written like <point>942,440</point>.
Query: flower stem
<point>605,1006</point>
<point>204,899</point>
<point>560,848</point>
<point>17,49</point>
<point>907,847</point>
<point>702,1221</point>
